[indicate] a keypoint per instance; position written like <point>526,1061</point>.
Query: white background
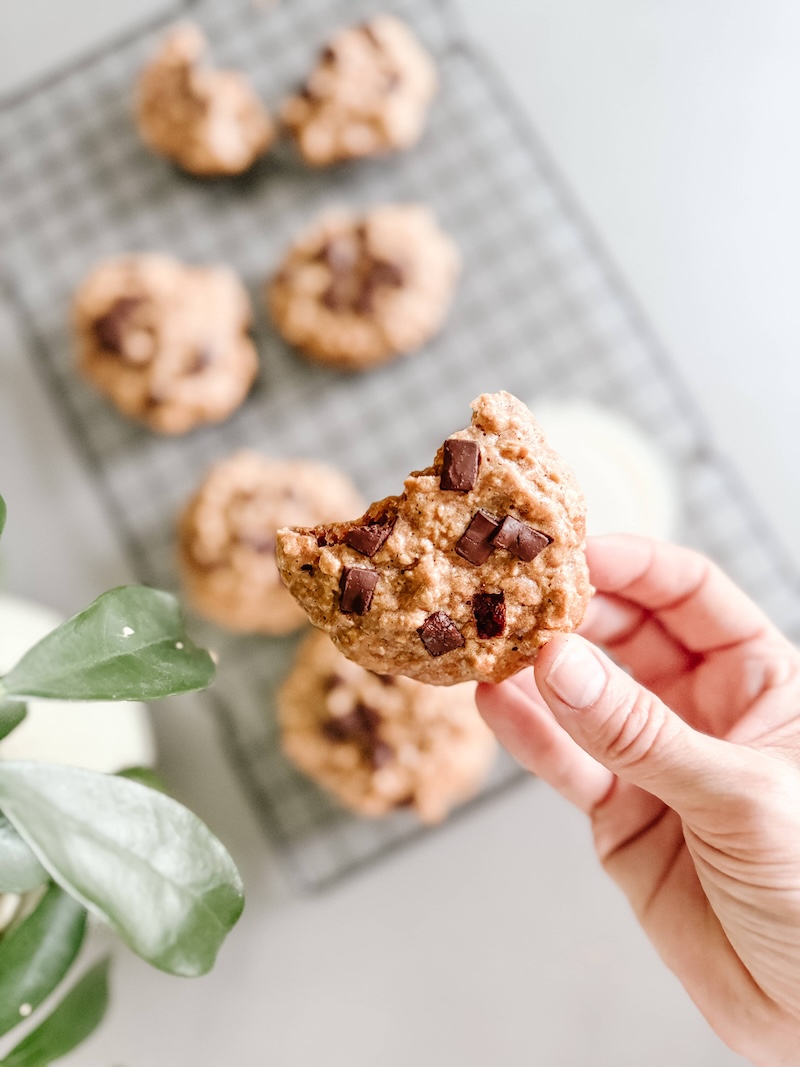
<point>498,941</point>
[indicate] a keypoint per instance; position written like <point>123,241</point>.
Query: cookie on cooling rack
<point>357,290</point>
<point>380,743</point>
<point>227,536</point>
<point>165,342</point>
<point>210,122</point>
<point>368,95</point>
<point>464,576</point>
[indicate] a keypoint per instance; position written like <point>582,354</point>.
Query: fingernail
<point>577,676</point>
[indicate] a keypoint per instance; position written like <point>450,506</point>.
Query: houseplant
<point>76,842</point>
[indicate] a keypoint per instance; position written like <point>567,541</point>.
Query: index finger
<point>686,592</point>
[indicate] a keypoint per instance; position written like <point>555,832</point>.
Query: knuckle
<point>636,730</point>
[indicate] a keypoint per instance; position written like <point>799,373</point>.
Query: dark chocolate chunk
<point>369,718</point>
<point>489,610</point>
<point>440,634</point>
<point>357,587</point>
<point>475,544</point>
<point>307,568</point>
<point>386,679</point>
<point>381,275</point>
<point>460,465</point>
<point>343,727</point>
<point>203,359</point>
<point>322,540</point>
<point>109,329</point>
<point>368,539</point>
<point>383,272</point>
<point>360,724</point>
<point>379,754</point>
<point>344,293</point>
<point>520,539</point>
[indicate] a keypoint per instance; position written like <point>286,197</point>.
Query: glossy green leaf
<point>19,868</point>
<point>130,644</point>
<point>78,1014</point>
<point>131,855</point>
<point>38,953</point>
<point>3,514</point>
<point>12,712</point>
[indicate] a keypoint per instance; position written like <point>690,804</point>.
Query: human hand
<point>690,774</point>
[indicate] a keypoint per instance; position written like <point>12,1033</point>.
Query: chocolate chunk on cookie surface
<point>210,122</point>
<point>472,580</point>
<point>166,342</point>
<point>357,290</point>
<point>369,94</point>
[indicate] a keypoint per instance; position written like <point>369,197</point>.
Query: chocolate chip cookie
<point>210,122</point>
<point>380,743</point>
<point>465,575</point>
<point>227,536</point>
<point>165,342</point>
<point>357,290</point>
<point>368,95</point>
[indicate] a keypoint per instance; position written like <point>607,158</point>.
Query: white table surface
<point>497,941</point>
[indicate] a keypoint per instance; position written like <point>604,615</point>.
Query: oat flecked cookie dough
<point>368,95</point>
<point>380,743</point>
<point>208,121</point>
<point>227,536</point>
<point>464,576</point>
<point>165,342</point>
<point>357,290</point>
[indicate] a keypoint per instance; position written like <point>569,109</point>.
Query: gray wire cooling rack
<point>539,312</point>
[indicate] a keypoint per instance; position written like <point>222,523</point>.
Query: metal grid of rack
<point>539,312</point>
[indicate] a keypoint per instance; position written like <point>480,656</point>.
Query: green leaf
<point>133,856</point>
<point>145,776</point>
<point>12,712</point>
<point>3,514</point>
<point>19,868</point>
<point>130,644</point>
<point>38,953</point>
<point>78,1014</point>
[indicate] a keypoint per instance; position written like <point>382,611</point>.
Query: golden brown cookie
<point>165,342</point>
<point>465,575</point>
<point>208,121</point>
<point>357,290</point>
<point>227,536</point>
<point>380,743</point>
<point>368,95</point>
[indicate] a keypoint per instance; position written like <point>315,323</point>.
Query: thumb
<point>631,732</point>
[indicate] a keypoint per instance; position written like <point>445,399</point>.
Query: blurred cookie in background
<point>356,290</point>
<point>210,122</point>
<point>368,95</point>
<point>227,536</point>
<point>380,743</point>
<point>165,342</point>
<point>628,481</point>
